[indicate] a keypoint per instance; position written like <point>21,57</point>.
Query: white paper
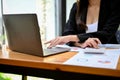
<point>112,52</point>
<point>76,49</point>
<point>94,60</point>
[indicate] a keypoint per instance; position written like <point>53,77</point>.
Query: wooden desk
<point>52,67</point>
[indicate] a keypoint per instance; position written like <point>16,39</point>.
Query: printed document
<point>106,60</point>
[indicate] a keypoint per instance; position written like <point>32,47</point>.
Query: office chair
<point>118,35</point>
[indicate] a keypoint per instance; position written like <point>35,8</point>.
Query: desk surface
<point>53,62</point>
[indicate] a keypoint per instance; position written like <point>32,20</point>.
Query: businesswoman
<point>90,23</point>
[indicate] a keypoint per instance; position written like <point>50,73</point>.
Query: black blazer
<point>109,20</point>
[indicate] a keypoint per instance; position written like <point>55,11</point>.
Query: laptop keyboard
<point>55,50</point>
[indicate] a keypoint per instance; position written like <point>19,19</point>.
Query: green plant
<point>3,77</point>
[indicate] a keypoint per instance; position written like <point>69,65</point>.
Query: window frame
<point>60,9</point>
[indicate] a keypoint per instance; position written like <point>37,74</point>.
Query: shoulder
<point>74,6</point>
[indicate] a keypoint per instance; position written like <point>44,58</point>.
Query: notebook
<point>23,34</point>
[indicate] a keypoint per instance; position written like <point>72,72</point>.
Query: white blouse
<point>92,27</point>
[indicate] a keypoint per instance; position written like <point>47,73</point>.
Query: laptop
<point>23,34</point>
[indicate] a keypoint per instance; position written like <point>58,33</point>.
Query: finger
<point>54,42</point>
<point>47,42</point>
<point>97,40</point>
<point>50,43</point>
<point>86,44</point>
<point>94,44</point>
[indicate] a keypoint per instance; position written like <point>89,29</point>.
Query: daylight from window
<point>44,9</point>
<point>46,13</point>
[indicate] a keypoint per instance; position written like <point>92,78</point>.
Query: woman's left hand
<point>91,42</point>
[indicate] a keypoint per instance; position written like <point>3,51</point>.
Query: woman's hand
<point>90,42</point>
<point>62,40</point>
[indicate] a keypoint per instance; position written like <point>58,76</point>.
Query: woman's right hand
<point>62,40</point>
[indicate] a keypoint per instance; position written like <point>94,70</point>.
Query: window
<point>69,5</point>
<point>1,29</point>
<point>51,13</point>
<point>45,10</point>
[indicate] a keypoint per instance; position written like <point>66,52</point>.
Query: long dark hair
<point>81,6</point>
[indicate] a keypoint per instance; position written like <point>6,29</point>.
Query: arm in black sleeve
<point>71,27</point>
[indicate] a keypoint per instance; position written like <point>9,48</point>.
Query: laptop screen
<point>22,33</point>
